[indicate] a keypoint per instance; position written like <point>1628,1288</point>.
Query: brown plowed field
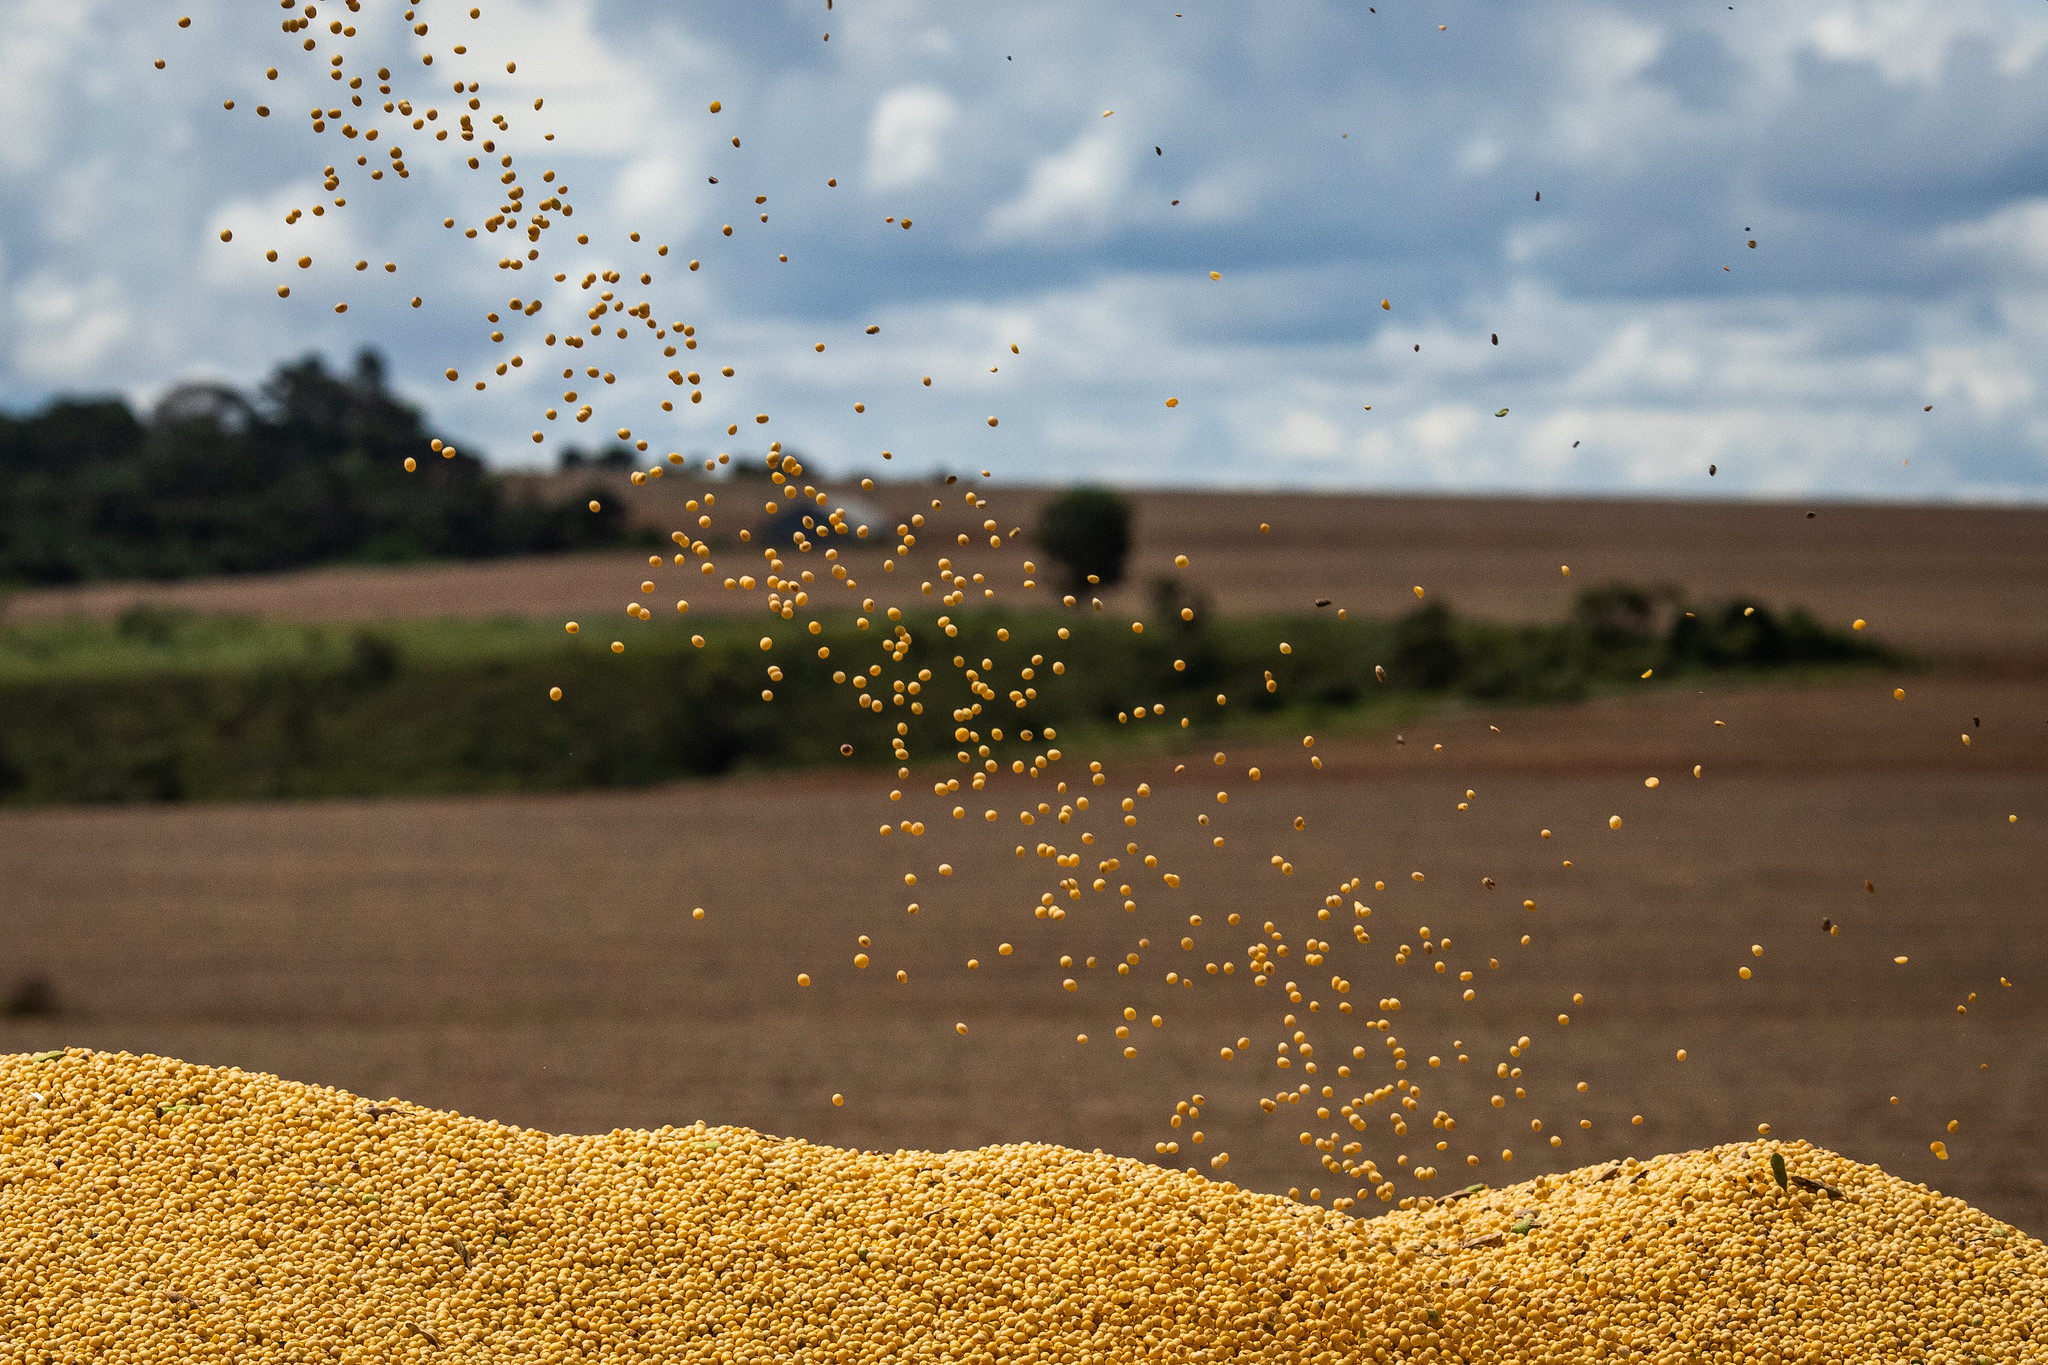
<point>1942,580</point>
<point>535,959</point>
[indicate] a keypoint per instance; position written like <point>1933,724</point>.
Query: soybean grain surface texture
<point>155,1210</point>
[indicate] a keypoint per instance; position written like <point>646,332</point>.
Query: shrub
<point>1088,531</point>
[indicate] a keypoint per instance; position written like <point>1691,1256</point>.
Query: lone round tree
<point>1088,531</point>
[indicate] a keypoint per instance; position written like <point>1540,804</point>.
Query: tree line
<point>307,469</point>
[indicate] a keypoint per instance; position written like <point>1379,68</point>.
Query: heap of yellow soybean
<point>154,1210</point>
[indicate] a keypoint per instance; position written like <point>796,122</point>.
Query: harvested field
<point>534,960</point>
<point>1935,579</point>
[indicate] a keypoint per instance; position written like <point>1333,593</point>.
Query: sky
<point>1888,158</point>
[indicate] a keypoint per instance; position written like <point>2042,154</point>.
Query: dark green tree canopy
<point>1088,530</point>
<point>309,469</point>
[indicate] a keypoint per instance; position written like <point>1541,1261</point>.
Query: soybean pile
<point>160,1210</point>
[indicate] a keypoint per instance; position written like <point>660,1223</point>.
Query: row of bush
<point>167,707</point>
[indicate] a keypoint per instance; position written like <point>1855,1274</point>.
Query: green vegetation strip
<point>163,706</point>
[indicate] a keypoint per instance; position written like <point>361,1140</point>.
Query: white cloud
<point>1443,428</point>
<point>2014,234</point>
<point>1480,154</point>
<point>39,44</point>
<point>906,136</point>
<point>258,225</point>
<point>1784,396</point>
<point>1230,193</point>
<point>1602,109</point>
<point>601,97</point>
<point>1070,194</point>
<point>1303,435</point>
<point>78,199</point>
<point>1640,355</point>
<point>1910,41</point>
<point>659,187</point>
<point>1995,380</point>
<point>65,331</point>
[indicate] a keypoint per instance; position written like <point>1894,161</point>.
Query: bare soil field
<point>1943,580</point>
<point>535,960</point>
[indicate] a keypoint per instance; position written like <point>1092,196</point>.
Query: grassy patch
<point>168,706</point>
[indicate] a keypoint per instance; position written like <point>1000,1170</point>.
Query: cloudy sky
<point>1888,157</point>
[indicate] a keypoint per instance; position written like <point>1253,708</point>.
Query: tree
<point>1088,530</point>
<point>1427,652</point>
<point>308,470</point>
